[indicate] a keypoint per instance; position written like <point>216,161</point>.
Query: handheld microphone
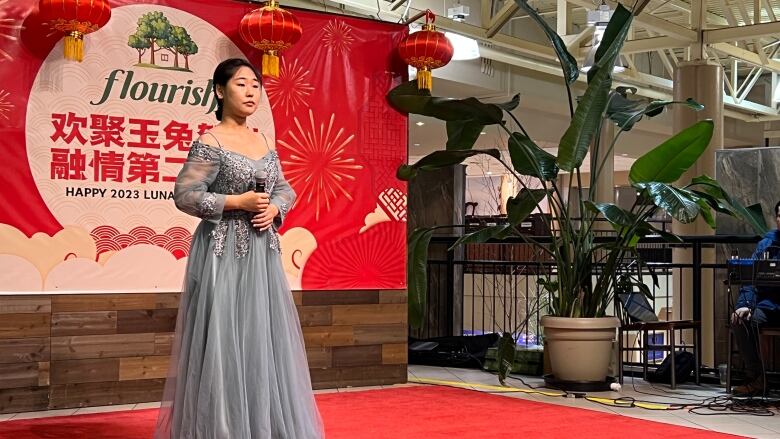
<point>259,184</point>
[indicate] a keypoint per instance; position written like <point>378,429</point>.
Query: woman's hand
<point>254,201</point>
<point>264,220</point>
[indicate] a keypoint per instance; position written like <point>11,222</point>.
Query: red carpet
<point>409,412</point>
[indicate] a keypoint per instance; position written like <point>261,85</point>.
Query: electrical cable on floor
<point>720,405</point>
<point>717,405</point>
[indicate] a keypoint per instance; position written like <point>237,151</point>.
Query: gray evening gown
<point>238,366</point>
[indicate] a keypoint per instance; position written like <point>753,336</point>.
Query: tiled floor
<point>752,426</point>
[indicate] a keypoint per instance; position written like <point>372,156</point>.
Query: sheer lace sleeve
<point>191,191</point>
<point>283,197</point>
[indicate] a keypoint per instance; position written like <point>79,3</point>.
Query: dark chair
<point>760,273</point>
<point>642,319</point>
<point>767,348</point>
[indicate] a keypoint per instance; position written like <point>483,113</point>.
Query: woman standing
<point>238,368</point>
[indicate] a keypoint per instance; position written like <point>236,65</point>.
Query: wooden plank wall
<point>62,351</point>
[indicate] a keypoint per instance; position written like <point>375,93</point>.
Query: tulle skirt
<point>238,367</point>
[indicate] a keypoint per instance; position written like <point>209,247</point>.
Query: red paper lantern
<point>270,29</point>
<point>426,50</point>
<point>75,18</point>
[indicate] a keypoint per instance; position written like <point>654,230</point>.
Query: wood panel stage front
<point>78,350</point>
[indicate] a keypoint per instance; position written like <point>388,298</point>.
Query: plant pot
<point>579,349</point>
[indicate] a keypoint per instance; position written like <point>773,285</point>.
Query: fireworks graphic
<point>5,105</point>
<point>8,30</point>
<point>338,37</point>
<point>317,166</point>
<point>291,88</point>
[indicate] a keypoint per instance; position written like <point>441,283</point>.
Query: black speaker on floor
<point>459,351</point>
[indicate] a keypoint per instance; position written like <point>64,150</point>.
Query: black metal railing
<point>483,288</point>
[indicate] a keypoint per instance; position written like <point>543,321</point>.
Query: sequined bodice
<point>237,175</point>
<point>237,172</point>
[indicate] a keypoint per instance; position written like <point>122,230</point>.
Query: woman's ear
<point>220,91</point>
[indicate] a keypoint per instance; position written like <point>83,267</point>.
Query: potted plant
<point>583,284</point>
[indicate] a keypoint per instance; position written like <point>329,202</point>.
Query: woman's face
<point>242,93</point>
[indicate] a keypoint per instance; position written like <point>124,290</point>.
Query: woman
<point>238,369</point>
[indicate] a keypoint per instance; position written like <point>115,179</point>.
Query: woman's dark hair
<point>222,74</point>
<point>777,208</point>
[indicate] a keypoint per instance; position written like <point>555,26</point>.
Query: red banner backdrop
<point>91,149</point>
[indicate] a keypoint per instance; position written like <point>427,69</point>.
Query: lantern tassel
<point>74,46</point>
<point>271,64</point>
<point>424,80</point>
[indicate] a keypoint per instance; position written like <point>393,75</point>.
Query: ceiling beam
<point>685,7</point>
<point>398,4</point>
<point>651,22</point>
<point>770,11</point>
<point>746,110</point>
<point>651,44</point>
<point>502,17</point>
<point>563,22</point>
<point>573,42</point>
<point>746,56</point>
<point>486,12</point>
<point>735,33</point>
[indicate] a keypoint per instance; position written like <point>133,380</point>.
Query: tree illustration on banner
<point>178,41</point>
<point>154,33</point>
<point>140,44</point>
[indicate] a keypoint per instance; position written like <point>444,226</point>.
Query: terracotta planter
<point>579,349</point>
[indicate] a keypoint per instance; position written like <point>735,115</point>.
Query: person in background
<point>756,307</point>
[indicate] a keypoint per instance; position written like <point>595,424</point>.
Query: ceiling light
<point>482,133</point>
<point>599,18</point>
<point>624,155</point>
<point>416,144</point>
<point>464,48</point>
<point>419,124</point>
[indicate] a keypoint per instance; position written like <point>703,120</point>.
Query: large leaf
<point>706,212</point>
<point>518,208</point>
<point>714,203</point>
<point>616,32</point>
<point>568,62</point>
<point>505,356</point>
<point>408,99</point>
<point>668,161</point>
<point>462,134</point>
<point>621,218</point>
<point>717,198</point>
<point>754,215</point>
<point>657,107</point>
<point>627,112</point>
<point>623,110</point>
<point>649,229</point>
<point>484,235</point>
<point>441,159</point>
<point>617,216</point>
<point>529,159</point>
<point>587,119</point>
<point>710,186</point>
<point>417,274</point>
<point>511,104</point>
<point>681,204</point>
